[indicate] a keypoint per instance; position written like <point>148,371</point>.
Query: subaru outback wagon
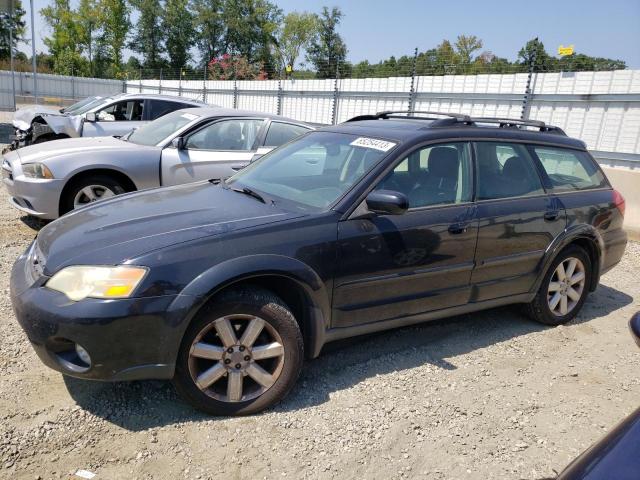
<point>384,221</point>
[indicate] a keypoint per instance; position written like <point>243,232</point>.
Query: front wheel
<point>564,288</point>
<point>242,354</point>
<point>88,190</point>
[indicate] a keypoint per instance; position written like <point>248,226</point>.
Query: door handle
<point>551,215</point>
<point>458,228</point>
<point>237,167</point>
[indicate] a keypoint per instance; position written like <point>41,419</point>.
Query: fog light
<point>83,354</point>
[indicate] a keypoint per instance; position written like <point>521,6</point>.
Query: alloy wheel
<point>566,286</point>
<point>91,193</point>
<point>236,358</point>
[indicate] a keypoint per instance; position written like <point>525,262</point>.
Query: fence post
<point>235,93</point>
<point>140,81</point>
<point>73,85</point>
<point>279,104</point>
<point>528,93</point>
<point>412,90</point>
<point>336,94</point>
<point>204,84</point>
<point>180,83</point>
<point>160,83</point>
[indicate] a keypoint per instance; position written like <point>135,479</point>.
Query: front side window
<point>125,111</point>
<point>434,175</point>
<point>280,133</point>
<point>505,170</point>
<point>237,134</point>
<point>569,170</point>
<point>315,170</point>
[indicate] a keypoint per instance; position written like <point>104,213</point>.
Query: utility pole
<point>33,54</point>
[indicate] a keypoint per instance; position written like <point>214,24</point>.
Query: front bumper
<point>128,339</point>
<point>34,196</point>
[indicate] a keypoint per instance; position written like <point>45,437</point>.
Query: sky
<point>376,29</point>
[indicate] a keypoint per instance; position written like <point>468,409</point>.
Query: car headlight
<point>78,282</point>
<point>36,170</point>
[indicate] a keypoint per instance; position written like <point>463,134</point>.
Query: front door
<point>115,119</point>
<point>392,266</point>
<point>216,150</point>
<point>517,220</point>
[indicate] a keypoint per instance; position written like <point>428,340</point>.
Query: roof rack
<point>453,119</point>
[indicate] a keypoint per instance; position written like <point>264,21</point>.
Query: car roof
<point>413,129</point>
<point>210,111</point>
<point>156,96</point>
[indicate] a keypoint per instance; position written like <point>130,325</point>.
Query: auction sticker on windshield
<point>189,116</point>
<point>374,143</point>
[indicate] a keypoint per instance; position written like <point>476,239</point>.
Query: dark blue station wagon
<point>383,221</point>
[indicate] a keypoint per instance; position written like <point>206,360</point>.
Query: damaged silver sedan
<point>97,116</point>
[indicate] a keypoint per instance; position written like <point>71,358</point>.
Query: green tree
<point>177,25</point>
<point>88,24</point>
<point>327,49</point>
<point>466,45</point>
<point>209,28</point>
<point>115,25</point>
<point>535,49</point>
<point>297,31</point>
<point>15,24</point>
<point>63,44</point>
<point>149,35</point>
<point>251,27</point>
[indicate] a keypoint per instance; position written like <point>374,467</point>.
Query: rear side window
<point>505,170</point>
<point>158,108</point>
<point>280,133</point>
<point>569,170</point>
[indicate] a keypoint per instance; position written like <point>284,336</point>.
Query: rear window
<point>570,170</point>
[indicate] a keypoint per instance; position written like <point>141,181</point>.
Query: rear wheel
<point>564,288</point>
<point>242,354</point>
<point>88,190</point>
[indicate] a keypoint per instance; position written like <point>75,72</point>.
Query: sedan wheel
<point>91,193</point>
<point>566,286</point>
<point>231,366</point>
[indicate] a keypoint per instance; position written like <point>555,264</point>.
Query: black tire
<point>243,301</point>
<point>539,309</point>
<point>66,204</point>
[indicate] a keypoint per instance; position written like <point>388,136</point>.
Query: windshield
<point>88,106</point>
<point>315,170</point>
<point>154,132</point>
<point>72,108</point>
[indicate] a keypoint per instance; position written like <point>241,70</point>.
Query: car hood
<point>87,147</point>
<point>23,117</point>
<point>117,230</point>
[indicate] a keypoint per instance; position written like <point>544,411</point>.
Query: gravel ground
<point>487,395</point>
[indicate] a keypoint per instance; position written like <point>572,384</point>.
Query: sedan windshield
<point>71,109</point>
<point>154,132</point>
<point>315,170</point>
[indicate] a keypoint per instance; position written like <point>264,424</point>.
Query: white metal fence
<point>601,108</point>
<point>56,89</point>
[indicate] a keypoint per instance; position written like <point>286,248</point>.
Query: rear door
<point>216,150</point>
<point>278,133</point>
<point>115,119</point>
<point>517,220</point>
<point>392,266</point>
<point>156,108</point>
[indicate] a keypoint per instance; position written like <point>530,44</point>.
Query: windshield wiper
<point>251,193</point>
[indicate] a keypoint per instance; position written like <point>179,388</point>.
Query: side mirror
<point>178,143</point>
<point>387,202</point>
<point>90,117</point>
<point>634,325</point>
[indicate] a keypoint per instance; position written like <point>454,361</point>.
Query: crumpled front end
<point>39,123</point>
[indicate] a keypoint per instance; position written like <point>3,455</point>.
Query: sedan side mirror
<point>178,143</point>
<point>90,117</point>
<point>387,202</point>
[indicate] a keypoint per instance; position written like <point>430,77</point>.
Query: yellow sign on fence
<point>564,51</point>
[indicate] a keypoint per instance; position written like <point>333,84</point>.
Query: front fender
<point>224,274</point>
<point>568,236</point>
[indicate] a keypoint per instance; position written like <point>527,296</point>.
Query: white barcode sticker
<point>374,143</point>
<point>189,116</point>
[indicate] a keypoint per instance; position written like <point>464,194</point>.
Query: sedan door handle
<point>458,228</point>
<point>237,167</point>
<point>551,215</point>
